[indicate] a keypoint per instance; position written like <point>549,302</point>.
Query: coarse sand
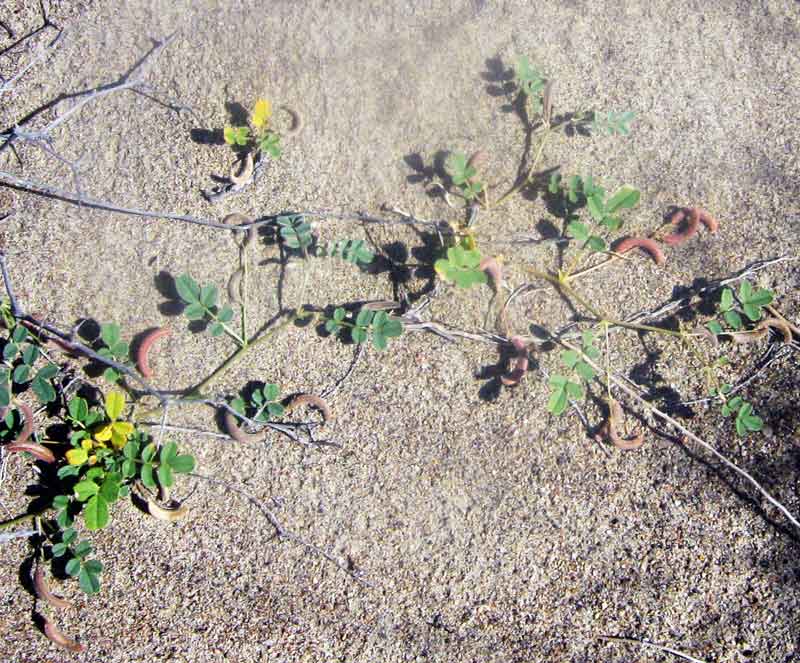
<point>490,531</point>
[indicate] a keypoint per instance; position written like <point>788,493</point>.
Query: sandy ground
<point>491,532</point>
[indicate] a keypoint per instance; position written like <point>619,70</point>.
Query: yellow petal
<point>92,460</point>
<point>87,444</point>
<point>262,111</point>
<point>115,404</point>
<point>103,433</point>
<point>77,456</point>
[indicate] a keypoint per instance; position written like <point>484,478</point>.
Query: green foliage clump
<point>462,267</point>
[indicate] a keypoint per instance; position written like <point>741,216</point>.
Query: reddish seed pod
<point>711,224</point>
<point>43,591</point>
<point>609,429</point>
<point>54,634</point>
<point>688,231</point>
<point>648,245</point>
<point>239,175</point>
<point>520,365</point>
<point>23,444</point>
<point>494,271</point>
<point>313,400</point>
<point>477,160</point>
<point>147,342</point>
<point>776,323</point>
<point>232,426</point>
<point>297,120</point>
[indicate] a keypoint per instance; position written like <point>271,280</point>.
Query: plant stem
<point>686,433</point>
<point>528,178</point>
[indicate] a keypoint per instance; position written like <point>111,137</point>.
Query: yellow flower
<point>262,111</point>
<point>115,431</point>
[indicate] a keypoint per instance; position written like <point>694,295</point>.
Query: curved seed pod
<point>237,433</point>
<point>237,219</point>
<point>245,172</point>
<point>494,271</point>
<point>52,632</point>
<point>711,224</point>
<point>689,230</point>
<point>167,513</point>
<point>297,120</point>
<point>648,245</point>
<point>144,348</point>
<point>477,160</point>
<point>39,451</point>
<point>43,591</point>
<point>521,364</point>
<point>23,444</point>
<point>235,286</point>
<point>609,429</point>
<point>382,305</point>
<point>313,400</point>
<point>748,337</point>
<point>776,323</point>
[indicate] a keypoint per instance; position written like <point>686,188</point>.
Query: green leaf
<point>95,513</point>
<point>73,566</point>
<point>85,489</point>
<point>89,582</point>
<point>47,372</point>
<point>625,198</point>
<point>19,334</point>
<point>183,464</point>
<point>165,477</point>
<point>67,471</point>
<point>596,243</point>
<point>574,390</point>
<point>379,341</point>
<point>271,391</point>
<point>43,389</point>
<point>188,289</point>
<point>208,295</point>
<point>276,410</point>
<point>613,223</point>
<point>30,354</point>
<point>238,405</point>
<point>69,535</point>
<point>364,317</point>
<point>596,207</point>
<point>216,329</point>
<point>726,302</point>
<point>82,549</point>
<point>63,519</point>
<point>21,373</point>
<point>61,501</point>
<point>5,396</point>
<point>714,326</point>
<point>146,474</point>
<point>554,185</point>
<point>168,452</point>
<point>578,230</point>
<point>195,311</point>
<point>110,334</point>
<point>131,449</point>
<point>570,358</point>
<point>128,468</point>
<point>120,350</point>
<point>59,549</point>
<point>393,328</point>
<point>359,334</point>
<point>149,452</point>
<point>558,401</point>
<point>733,319</point>
<point>10,351</point>
<point>584,370</point>
<point>226,314</point>
<point>78,408</point>
<point>111,375</point>
<point>736,403</point>
<point>110,489</point>
<point>751,311</point>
